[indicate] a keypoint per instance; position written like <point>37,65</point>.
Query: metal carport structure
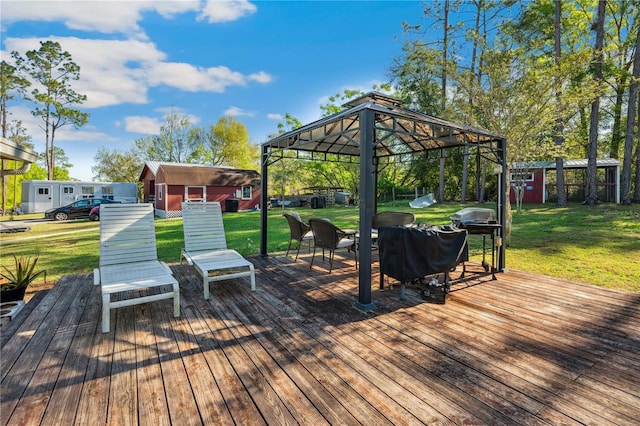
<point>375,127</point>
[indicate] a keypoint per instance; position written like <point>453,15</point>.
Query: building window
<point>246,192</point>
<point>43,191</point>
<point>521,177</point>
<point>195,194</point>
<point>87,191</point>
<point>67,190</point>
<point>159,192</point>
<point>107,192</point>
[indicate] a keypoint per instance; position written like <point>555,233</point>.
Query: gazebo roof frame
<point>397,128</point>
<point>376,127</point>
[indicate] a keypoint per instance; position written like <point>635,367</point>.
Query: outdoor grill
<point>472,215</point>
<point>479,221</point>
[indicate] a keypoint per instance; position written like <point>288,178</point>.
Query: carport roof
<point>10,150</point>
<point>397,131</point>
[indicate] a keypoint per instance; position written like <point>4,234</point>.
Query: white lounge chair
<point>129,259</point>
<point>206,246</point>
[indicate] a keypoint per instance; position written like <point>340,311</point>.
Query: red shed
<point>538,181</point>
<point>167,185</point>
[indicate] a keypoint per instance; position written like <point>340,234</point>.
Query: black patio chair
<point>382,219</point>
<point>300,232</point>
<point>328,236</point>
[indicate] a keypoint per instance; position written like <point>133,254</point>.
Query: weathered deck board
<point>523,349</point>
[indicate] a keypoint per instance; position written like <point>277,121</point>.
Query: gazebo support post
<point>502,199</point>
<point>263,201</point>
<point>366,206</point>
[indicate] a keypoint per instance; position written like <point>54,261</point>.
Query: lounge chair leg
<point>253,278</point>
<point>106,312</point>
<point>176,300</point>
<point>205,284</point>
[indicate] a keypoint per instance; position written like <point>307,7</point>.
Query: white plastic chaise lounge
<point>129,260</point>
<point>206,246</point>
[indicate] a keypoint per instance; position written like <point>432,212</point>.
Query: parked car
<point>76,210</point>
<point>94,214</point>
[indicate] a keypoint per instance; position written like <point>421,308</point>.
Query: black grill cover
<point>407,254</point>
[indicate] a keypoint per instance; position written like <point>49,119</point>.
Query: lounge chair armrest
<point>185,256</point>
<point>165,266</point>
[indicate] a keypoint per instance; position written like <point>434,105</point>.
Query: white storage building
<point>41,195</point>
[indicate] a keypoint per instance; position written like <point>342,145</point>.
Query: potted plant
<point>15,283</point>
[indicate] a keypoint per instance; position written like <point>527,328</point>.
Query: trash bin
<point>318,202</point>
<point>230,205</point>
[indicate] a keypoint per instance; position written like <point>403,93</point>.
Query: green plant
<point>23,275</point>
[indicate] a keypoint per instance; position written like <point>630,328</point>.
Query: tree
<point>625,189</point>
<point>618,50</point>
<point>172,144</point>
<point>592,195</point>
<point>61,170</point>
<point>559,125</point>
<point>17,133</point>
<point>11,83</point>
<point>53,70</point>
<point>116,166</point>
<point>227,143</point>
<point>284,177</point>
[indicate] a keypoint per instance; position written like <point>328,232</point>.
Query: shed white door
<point>67,194</point>
<point>43,199</point>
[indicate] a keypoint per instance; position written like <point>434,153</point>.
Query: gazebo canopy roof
<point>397,131</point>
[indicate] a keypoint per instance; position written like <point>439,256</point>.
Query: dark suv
<point>76,210</point>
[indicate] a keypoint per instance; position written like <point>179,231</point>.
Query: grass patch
<point>597,245</point>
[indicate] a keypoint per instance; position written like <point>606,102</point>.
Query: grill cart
<point>479,221</point>
<point>409,254</point>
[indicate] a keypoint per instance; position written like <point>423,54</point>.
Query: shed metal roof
<point>177,174</point>
<point>567,164</point>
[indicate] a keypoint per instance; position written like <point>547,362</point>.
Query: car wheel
<point>94,217</point>
<point>61,216</point>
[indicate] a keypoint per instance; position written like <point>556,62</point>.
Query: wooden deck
<point>524,349</point>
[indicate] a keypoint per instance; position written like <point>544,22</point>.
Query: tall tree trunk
<point>443,94</point>
<point>592,194</point>
<point>3,164</point>
<point>636,192</point>
<point>474,54</point>
<point>625,189</point>
<point>559,138</point>
<point>616,137</point>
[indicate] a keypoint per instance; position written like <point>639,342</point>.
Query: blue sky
<point>254,61</point>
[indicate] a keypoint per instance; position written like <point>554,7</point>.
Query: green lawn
<point>598,245</point>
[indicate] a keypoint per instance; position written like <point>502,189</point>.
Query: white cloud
<point>237,112</point>
<point>260,77</point>
<point>103,16</point>
<point>114,72</point>
<point>143,125</point>
<point>275,116</point>
<point>166,111</point>
<point>107,72</point>
<point>34,127</point>
<point>192,79</point>
<point>225,11</point>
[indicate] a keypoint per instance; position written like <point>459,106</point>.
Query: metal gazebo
<point>375,127</point>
